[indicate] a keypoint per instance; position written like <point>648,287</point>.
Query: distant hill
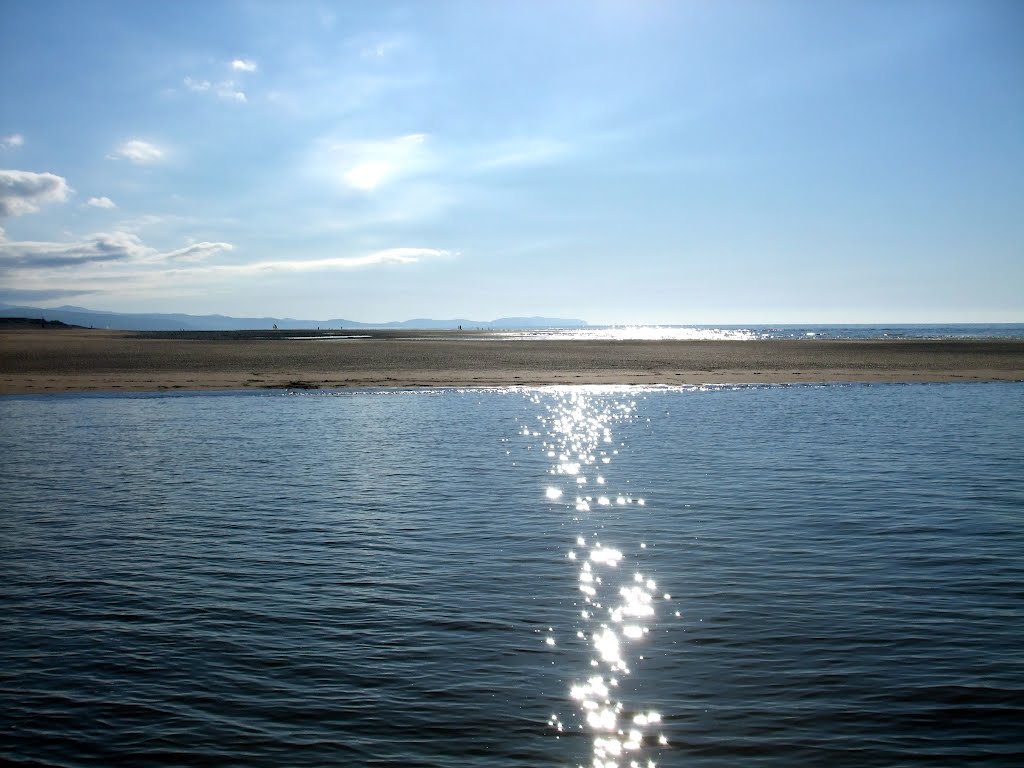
<point>177,322</point>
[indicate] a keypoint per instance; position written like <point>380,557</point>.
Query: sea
<point>926,331</point>
<point>812,575</point>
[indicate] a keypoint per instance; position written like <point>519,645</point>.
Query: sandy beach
<point>74,360</point>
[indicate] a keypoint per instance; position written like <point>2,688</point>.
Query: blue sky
<point>620,162</point>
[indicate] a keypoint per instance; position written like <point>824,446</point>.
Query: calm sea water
<point>754,332</point>
<point>758,576</point>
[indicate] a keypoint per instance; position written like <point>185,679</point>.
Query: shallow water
<point>396,578</point>
<point>760,332</point>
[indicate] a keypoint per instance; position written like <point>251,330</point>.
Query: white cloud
<point>116,246</point>
<point>122,264</point>
<point>98,248</point>
<point>101,202</point>
<point>197,86</point>
<point>367,165</point>
<point>23,192</point>
<point>379,50</point>
<point>226,90</point>
<point>128,248</point>
<point>13,141</point>
<point>369,174</point>
<point>229,94</point>
<point>195,252</point>
<point>139,152</point>
<point>386,256</point>
<point>244,65</point>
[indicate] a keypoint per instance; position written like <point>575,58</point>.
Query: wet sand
<point>73,360</point>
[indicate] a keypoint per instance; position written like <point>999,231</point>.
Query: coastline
<point>36,361</point>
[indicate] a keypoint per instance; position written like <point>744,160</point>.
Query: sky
<point>617,161</point>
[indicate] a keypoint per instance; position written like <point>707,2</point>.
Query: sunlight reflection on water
<point>638,333</point>
<point>616,600</point>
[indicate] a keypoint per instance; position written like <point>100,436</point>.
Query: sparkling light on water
<point>616,601</point>
<point>638,333</point>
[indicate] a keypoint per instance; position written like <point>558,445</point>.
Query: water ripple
<point>370,580</point>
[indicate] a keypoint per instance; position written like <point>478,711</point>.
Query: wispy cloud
<point>244,65</point>
<point>122,264</point>
<point>122,247</point>
<point>147,220</point>
<point>368,165</point>
<point>194,252</point>
<point>164,223</point>
<point>376,258</point>
<point>102,247</point>
<point>101,202</point>
<point>197,86</point>
<point>229,93</point>
<point>23,192</point>
<point>13,141</point>
<point>226,90</point>
<point>126,248</point>
<point>522,153</point>
<point>139,152</point>
<point>379,49</point>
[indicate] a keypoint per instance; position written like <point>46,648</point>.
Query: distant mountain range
<point>178,322</point>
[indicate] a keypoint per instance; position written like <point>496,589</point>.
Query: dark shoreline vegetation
<point>14,323</point>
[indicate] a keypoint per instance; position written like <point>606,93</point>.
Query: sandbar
<point>34,361</point>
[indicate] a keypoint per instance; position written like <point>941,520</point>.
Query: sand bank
<point>66,360</point>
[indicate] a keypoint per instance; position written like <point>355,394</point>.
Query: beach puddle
<point>616,601</point>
